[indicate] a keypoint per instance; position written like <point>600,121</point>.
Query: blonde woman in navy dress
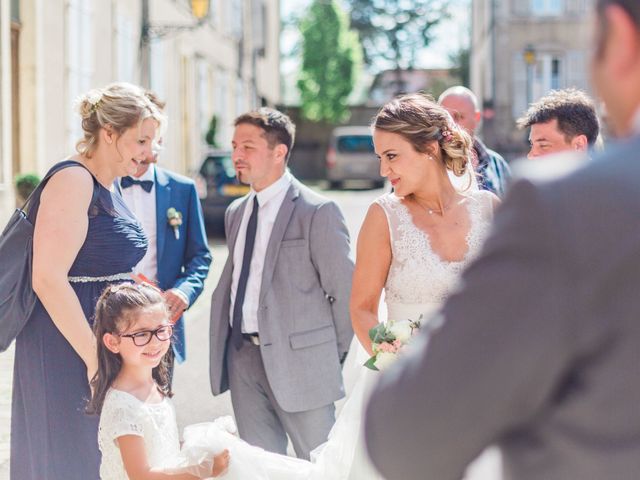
<point>85,238</point>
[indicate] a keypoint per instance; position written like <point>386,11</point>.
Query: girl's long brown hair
<point>115,311</point>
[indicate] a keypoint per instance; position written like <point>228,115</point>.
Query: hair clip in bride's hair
<point>446,134</point>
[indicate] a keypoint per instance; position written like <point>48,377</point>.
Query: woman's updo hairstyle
<point>421,121</point>
<point>120,105</point>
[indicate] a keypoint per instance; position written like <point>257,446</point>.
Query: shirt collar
<point>274,189</point>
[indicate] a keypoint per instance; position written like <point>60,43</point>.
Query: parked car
<point>351,157</point>
<point>217,187</point>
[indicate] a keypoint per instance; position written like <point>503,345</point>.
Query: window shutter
<point>519,85</point>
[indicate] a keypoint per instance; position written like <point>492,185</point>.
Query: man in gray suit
<point>280,325</point>
<point>550,370</point>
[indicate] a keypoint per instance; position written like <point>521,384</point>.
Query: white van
<point>351,157</point>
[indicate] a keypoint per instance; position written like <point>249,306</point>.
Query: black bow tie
<point>146,185</point>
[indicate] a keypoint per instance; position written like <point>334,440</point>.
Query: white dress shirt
<point>269,200</point>
<point>143,206</point>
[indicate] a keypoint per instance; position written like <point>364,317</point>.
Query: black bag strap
<point>30,207</point>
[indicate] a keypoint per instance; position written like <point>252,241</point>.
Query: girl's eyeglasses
<point>140,339</point>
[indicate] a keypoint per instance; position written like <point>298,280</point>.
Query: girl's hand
<point>92,370</point>
<point>220,464</point>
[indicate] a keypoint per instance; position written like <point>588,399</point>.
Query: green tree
<point>395,30</point>
<point>331,61</point>
<point>460,62</point>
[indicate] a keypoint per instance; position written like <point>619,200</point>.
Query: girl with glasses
<point>131,393</point>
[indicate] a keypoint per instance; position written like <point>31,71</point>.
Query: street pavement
<point>192,396</point>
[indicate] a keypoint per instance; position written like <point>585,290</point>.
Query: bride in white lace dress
<point>413,245</point>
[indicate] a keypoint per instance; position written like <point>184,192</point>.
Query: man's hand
<point>177,303</point>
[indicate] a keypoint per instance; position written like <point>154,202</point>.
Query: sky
<point>450,36</point>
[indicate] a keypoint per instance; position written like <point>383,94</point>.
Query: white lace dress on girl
<point>123,414</point>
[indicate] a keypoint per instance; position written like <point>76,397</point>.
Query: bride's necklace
<point>431,211</point>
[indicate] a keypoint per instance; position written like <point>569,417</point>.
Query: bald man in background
<point>493,170</point>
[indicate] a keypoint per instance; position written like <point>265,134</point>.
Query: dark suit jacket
<point>540,349</point>
<point>182,263</point>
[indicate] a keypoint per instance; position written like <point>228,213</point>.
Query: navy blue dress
<point>51,436</point>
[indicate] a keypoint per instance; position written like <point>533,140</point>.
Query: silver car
<point>351,157</point>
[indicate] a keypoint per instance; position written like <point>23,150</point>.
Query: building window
<point>555,73</point>
<point>259,33</point>
<point>240,97</point>
<point>547,7</point>
<point>126,48</point>
<point>221,107</point>
<point>203,97</point>
<point>236,18</point>
<point>79,62</point>
<point>548,75</point>
<point>550,71</point>
<point>15,10</point>
<point>158,74</point>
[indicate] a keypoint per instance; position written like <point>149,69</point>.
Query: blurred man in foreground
<point>550,371</point>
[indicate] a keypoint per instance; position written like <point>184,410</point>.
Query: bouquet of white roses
<point>388,340</point>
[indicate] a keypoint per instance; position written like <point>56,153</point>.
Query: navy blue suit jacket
<point>183,263</point>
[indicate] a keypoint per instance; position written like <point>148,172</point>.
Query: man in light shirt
<point>280,324</point>
<point>177,257</point>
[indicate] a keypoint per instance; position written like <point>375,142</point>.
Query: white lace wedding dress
<point>417,284</point>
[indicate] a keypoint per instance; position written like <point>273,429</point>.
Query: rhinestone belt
<point>107,278</point>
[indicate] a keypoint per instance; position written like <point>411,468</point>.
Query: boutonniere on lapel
<point>174,219</point>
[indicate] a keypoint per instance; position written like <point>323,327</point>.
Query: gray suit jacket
<point>305,327</point>
<point>540,349</point>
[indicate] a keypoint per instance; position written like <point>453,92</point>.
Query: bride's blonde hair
<point>421,121</point>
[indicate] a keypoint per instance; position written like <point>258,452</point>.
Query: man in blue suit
<point>178,258</point>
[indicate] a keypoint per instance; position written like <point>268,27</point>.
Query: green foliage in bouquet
<point>371,364</point>
<point>388,339</point>
<point>378,335</point>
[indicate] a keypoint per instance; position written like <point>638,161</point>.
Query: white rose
<point>384,359</point>
<point>401,330</point>
<point>94,96</point>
